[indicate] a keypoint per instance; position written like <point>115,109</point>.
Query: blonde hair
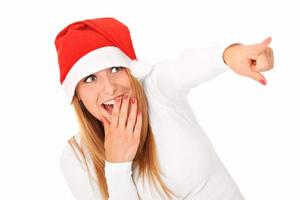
<point>92,135</point>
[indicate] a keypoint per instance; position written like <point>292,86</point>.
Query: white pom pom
<point>140,68</point>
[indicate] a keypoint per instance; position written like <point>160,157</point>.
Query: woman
<point>139,138</point>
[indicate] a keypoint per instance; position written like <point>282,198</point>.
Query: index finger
<point>258,48</point>
<point>115,112</point>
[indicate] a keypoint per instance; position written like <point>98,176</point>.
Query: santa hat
<point>91,45</point>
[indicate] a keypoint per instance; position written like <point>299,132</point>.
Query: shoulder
<point>81,180</point>
<point>72,153</point>
<point>158,89</point>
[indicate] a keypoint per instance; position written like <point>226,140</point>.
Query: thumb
<point>258,77</point>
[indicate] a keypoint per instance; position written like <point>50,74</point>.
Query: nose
<point>108,87</point>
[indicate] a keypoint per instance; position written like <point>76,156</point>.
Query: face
<point>102,86</point>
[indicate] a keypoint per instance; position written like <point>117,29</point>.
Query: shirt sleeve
<point>119,181</point>
<point>76,176</point>
<point>83,187</point>
<point>174,78</point>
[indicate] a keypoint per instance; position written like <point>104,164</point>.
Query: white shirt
<point>187,158</point>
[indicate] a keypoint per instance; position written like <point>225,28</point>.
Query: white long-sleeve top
<point>187,158</point>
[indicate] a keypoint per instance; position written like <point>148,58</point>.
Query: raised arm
<point>176,77</point>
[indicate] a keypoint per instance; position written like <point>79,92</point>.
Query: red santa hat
<point>85,47</point>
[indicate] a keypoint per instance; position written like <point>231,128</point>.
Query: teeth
<point>110,102</point>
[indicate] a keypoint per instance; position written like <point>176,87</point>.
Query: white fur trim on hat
<point>100,59</point>
<point>93,62</point>
<point>140,68</point>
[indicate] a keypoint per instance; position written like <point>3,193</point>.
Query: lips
<point>109,108</point>
<point>113,98</point>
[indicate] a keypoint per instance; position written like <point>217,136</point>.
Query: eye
<point>90,77</point>
<point>119,68</point>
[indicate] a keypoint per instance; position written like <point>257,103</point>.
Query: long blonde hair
<point>92,134</point>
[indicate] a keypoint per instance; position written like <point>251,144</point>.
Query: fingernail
<point>126,96</point>
<point>133,100</point>
<point>262,82</point>
<point>118,99</point>
<point>139,112</point>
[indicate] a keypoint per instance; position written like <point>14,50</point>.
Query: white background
<point>254,128</point>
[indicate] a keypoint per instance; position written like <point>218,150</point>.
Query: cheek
<point>90,103</point>
<point>94,110</point>
<point>87,94</point>
<point>126,83</point>
<point>124,79</point>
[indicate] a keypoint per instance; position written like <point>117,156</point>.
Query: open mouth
<point>108,108</point>
<point>109,105</point>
